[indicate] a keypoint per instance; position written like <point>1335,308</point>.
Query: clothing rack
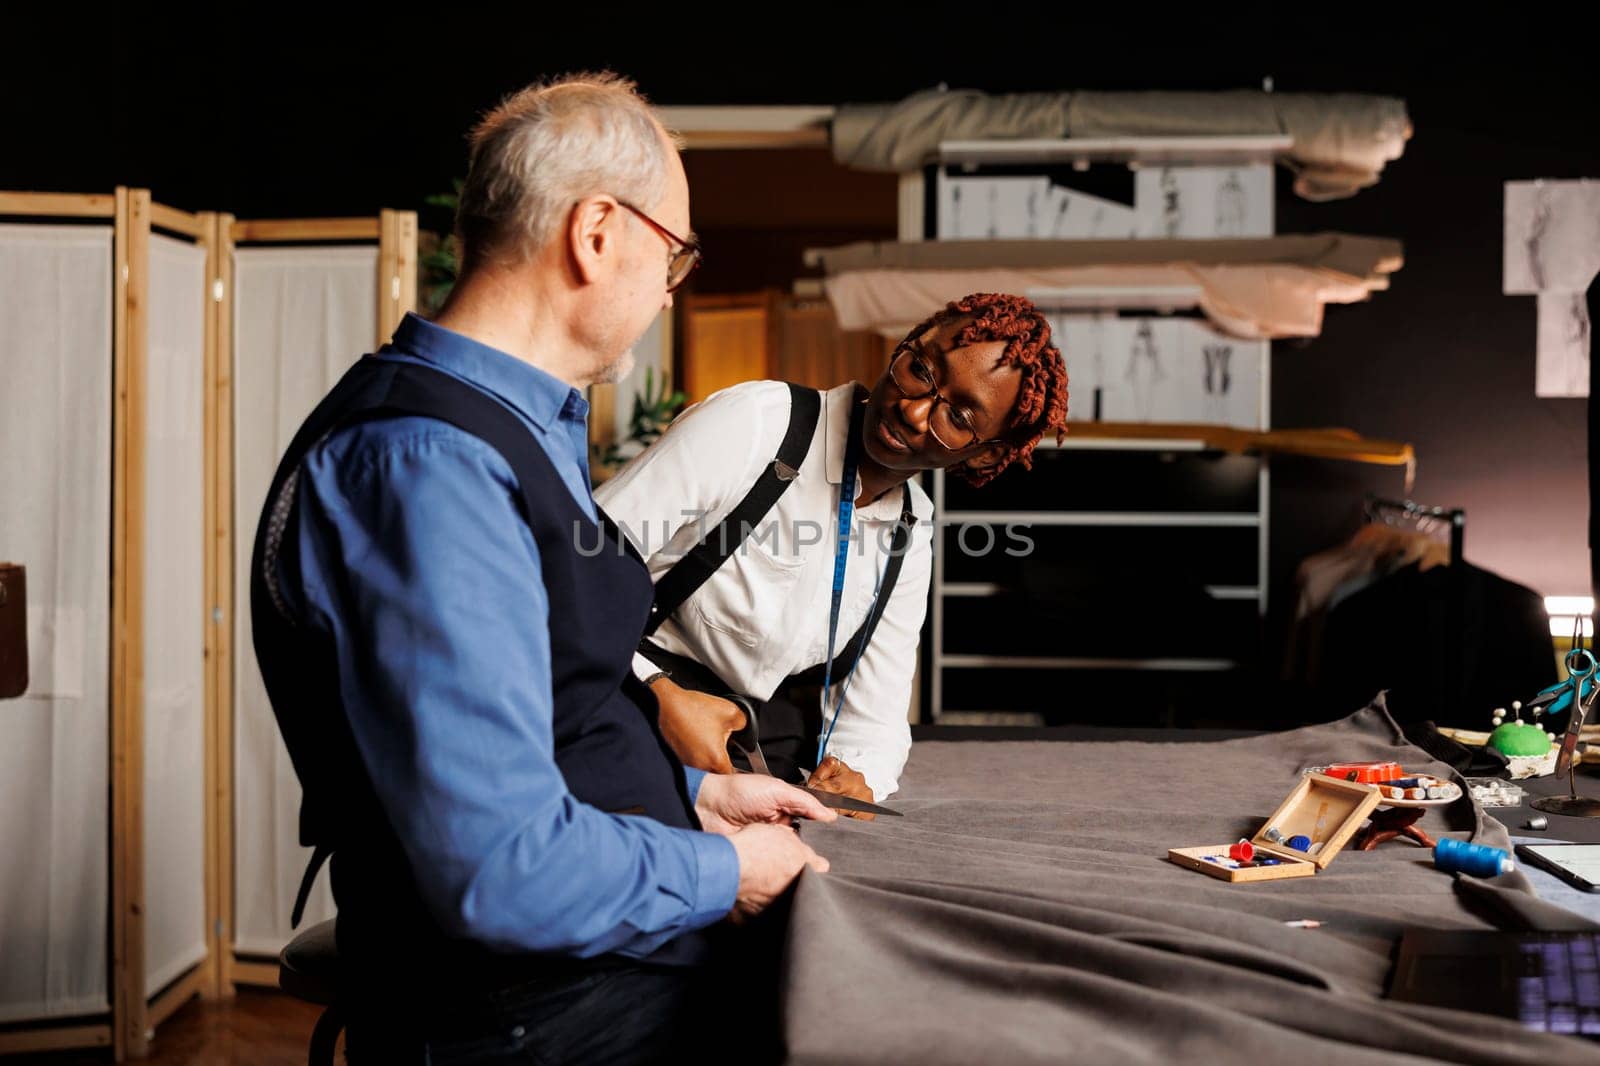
<point>1376,507</point>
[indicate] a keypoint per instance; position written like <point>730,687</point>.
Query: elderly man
<point>523,869</point>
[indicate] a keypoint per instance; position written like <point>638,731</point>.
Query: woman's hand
<point>697,726</point>
<point>831,775</point>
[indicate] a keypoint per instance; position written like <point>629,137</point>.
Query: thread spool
<point>1478,860</point>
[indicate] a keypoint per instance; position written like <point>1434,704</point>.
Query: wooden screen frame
<point>395,234</point>
<point>135,1010</point>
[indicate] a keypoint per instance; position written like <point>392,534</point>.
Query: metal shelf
<point>1130,444</point>
<point>918,222</point>
<point>988,588</point>
<point>1072,662</point>
<point>1176,519</point>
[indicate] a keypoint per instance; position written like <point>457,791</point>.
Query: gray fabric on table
<point>1023,911</point>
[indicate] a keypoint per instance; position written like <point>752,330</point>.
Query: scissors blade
<point>758,765</point>
<point>1580,711</point>
<point>847,803</point>
<point>758,761</point>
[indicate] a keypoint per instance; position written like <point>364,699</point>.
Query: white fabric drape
<point>55,518</point>
<point>302,316</point>
<point>174,606</point>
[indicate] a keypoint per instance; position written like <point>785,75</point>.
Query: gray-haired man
<point>517,857</point>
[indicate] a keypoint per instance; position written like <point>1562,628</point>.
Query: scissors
<point>1580,664</point>
<point>748,744</point>
<point>1578,686</point>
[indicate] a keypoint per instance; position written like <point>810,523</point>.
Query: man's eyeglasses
<point>686,254</point>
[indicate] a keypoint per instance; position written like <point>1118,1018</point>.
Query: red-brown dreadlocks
<point>1042,394</point>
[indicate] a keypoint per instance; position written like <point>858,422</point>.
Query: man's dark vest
<point>607,745</point>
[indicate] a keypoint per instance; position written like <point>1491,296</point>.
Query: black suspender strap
<point>697,566</point>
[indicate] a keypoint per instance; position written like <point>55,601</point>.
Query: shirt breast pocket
<point>749,593</point>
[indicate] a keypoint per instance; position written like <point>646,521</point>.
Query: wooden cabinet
<point>750,336</point>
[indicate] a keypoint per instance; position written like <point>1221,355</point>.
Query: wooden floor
<point>257,1028</point>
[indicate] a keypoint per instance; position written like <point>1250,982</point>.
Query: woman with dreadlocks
<point>791,545</point>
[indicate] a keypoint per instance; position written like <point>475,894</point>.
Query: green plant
<point>440,258</point>
<point>654,408</point>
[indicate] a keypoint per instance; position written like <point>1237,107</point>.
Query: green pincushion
<point>1519,738</point>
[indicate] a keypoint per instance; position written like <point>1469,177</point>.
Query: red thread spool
<point>1244,851</point>
<point>1368,773</point>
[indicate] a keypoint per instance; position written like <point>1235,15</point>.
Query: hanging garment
<point>1329,577</point>
<point>1449,644</point>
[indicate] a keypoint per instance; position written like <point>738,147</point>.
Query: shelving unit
<point>1171,497</point>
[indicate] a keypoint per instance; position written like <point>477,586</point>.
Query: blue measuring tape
<point>841,558</point>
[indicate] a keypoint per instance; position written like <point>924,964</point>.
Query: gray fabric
<point>1023,911</point>
<point>902,135</point>
<point>1341,141</point>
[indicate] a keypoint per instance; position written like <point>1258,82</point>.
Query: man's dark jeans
<point>617,1013</point>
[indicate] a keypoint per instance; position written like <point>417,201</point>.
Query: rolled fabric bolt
<point>1416,793</point>
<point>1478,860</point>
<point>1538,821</point>
<point>1395,793</point>
<point>1299,842</point>
<point>1243,851</point>
<point>1436,793</point>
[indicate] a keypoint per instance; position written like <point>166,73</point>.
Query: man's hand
<point>697,726</point>
<point>729,802</point>
<point>770,858</point>
<point>831,775</point>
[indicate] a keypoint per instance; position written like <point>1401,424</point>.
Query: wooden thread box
<point>1324,809</point>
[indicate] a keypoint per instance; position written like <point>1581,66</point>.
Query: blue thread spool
<point>1478,860</point>
<point>1299,842</point>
